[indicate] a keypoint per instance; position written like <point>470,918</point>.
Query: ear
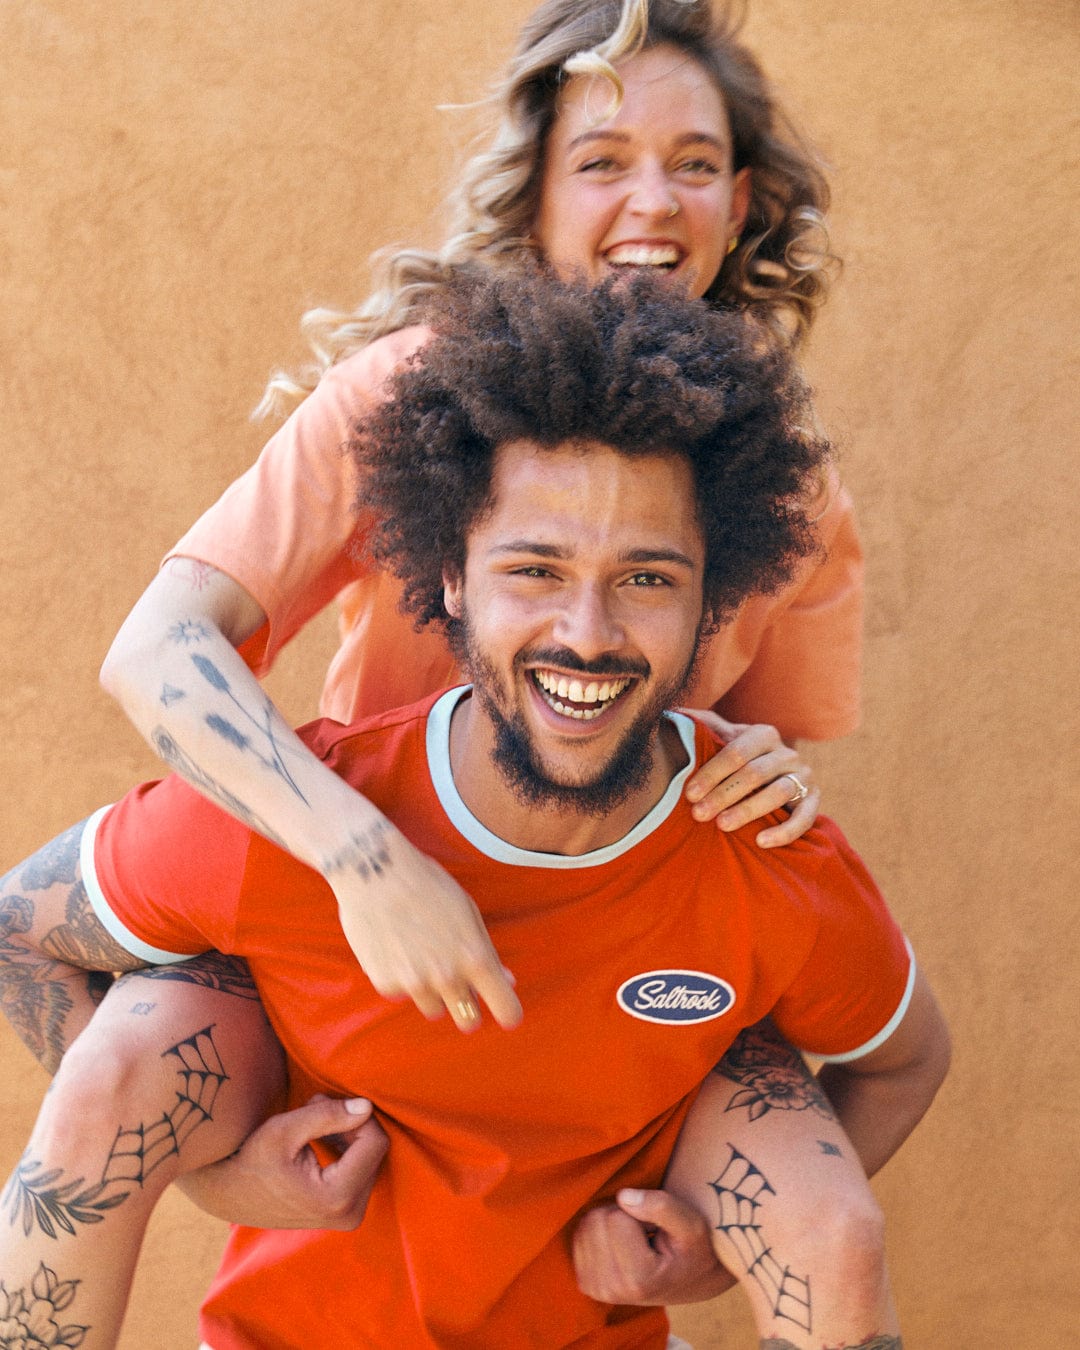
<point>452,587</point>
<point>741,187</point>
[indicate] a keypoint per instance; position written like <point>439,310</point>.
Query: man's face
<point>581,605</point>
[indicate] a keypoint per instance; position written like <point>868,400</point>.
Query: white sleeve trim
<point>100,904</point>
<point>889,1027</point>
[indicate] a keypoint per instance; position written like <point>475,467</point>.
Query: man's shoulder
<point>348,747</point>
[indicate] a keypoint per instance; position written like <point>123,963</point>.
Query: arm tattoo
<point>274,760</point>
<point>197,574</point>
<point>187,631</point>
<point>741,1190</point>
<point>366,853</point>
<point>170,695</point>
<point>773,1075</point>
<point>27,1313</point>
<point>184,765</point>
<point>40,1196</point>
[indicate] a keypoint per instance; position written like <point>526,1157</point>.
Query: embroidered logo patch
<point>675,996</point>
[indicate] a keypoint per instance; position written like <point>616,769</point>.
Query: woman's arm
<point>175,670</point>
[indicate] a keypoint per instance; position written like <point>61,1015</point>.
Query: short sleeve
<point>287,530</point>
<point>806,669</point>
<point>851,990</point>
<point>164,871</point>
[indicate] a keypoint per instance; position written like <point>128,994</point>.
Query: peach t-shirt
<point>288,532</point>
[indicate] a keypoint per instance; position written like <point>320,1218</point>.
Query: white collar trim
<point>463,820</point>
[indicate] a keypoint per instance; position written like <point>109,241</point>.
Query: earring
<point>673,209</point>
<point>733,243</point>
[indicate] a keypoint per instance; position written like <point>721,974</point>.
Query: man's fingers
<point>659,1209</point>
<point>356,1168</point>
<point>613,1260</point>
<point>319,1118</point>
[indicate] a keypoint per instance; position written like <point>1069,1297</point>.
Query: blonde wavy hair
<point>780,268</point>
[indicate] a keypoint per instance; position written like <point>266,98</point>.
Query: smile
<point>666,256</point>
<point>571,698</point>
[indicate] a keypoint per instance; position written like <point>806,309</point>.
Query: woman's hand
<point>417,934</point>
<point>274,1180</point>
<point>754,774</point>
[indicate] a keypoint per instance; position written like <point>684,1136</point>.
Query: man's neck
<point>541,828</point>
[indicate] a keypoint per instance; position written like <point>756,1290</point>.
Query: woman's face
<point>649,187</point>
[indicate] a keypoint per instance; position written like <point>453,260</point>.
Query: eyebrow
<point>636,556</point>
<point>688,138</point>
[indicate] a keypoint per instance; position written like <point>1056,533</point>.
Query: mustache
<point>566,659</point>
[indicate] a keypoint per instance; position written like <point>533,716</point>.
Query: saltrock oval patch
<point>678,996</point>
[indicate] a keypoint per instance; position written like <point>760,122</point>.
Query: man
<point>579,486</point>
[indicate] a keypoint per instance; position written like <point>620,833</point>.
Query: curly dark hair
<point>630,365</point>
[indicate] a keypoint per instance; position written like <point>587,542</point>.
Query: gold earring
<point>673,210</point>
<point>733,243</point>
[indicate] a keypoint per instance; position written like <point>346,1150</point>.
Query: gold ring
<point>801,790</point>
<point>467,1010</point>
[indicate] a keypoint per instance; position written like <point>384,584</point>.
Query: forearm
<point>879,1111</point>
<point>881,1097</point>
<point>175,671</point>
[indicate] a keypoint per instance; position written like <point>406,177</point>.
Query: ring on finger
<point>466,1010</point>
<point>801,790</point>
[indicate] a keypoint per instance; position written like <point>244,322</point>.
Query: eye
<point>532,570</point>
<point>646,579</point>
<point>700,168</point>
<point>599,164</point>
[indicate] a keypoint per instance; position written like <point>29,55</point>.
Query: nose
<point>588,623</point>
<point>652,193</point>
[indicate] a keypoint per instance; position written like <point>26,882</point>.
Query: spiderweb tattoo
<point>739,1191</point>
<point>40,1195</point>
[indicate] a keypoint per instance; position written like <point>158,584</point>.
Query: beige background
<point>179,182</point>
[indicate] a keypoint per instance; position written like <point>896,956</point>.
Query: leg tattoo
<point>739,1190</point>
<point>28,1316</point>
<point>773,1075</point>
<point>41,1196</point>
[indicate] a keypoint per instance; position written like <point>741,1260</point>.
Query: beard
<point>515,754</point>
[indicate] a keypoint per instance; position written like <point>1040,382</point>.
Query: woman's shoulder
<point>367,369</point>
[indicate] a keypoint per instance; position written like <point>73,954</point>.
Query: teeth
<point>643,255</point>
<point>559,687</point>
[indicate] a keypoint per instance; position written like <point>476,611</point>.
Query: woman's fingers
<point>755,775</point>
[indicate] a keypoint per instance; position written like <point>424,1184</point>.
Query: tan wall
<point>178,182</point>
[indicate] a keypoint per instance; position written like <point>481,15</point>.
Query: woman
<point>692,173</point>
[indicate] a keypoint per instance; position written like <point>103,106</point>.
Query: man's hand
<point>647,1249</point>
<point>274,1180</point>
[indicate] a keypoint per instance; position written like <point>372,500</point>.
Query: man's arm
<point>56,958</point>
<point>880,1098</point>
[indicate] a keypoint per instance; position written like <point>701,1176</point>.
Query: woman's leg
<point>763,1157</point>
<point>176,1067</point>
